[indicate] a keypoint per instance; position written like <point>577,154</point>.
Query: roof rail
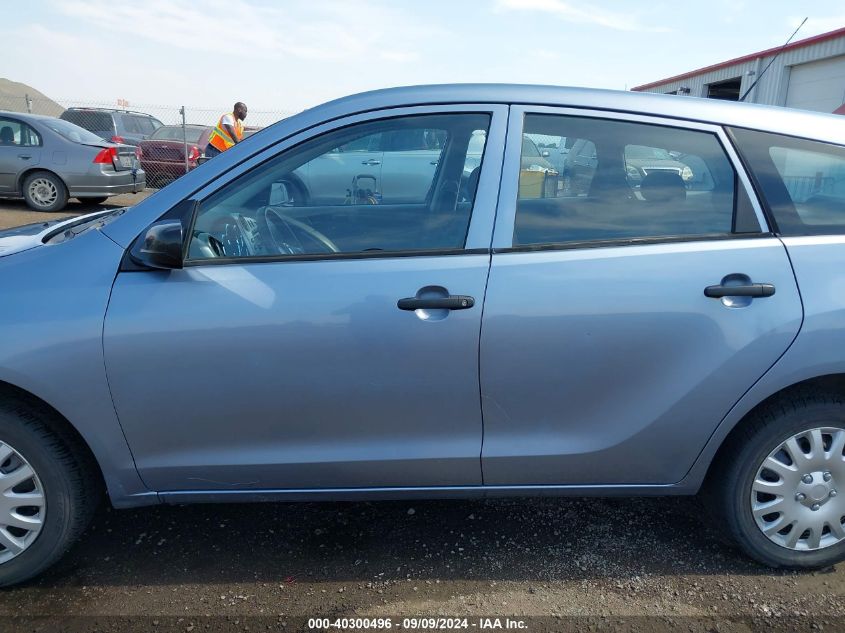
<point>109,110</point>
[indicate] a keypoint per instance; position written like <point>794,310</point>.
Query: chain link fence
<point>166,114</point>
<point>161,166</point>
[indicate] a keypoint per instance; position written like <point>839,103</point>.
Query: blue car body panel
<point>609,365</point>
<point>298,374</point>
<point>51,345</point>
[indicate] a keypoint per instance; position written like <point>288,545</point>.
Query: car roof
<point>825,127</point>
<point>26,115</point>
<point>109,110</point>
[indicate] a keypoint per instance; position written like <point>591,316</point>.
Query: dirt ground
<point>633,562</point>
<point>552,564</point>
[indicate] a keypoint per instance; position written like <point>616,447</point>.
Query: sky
<point>286,55</point>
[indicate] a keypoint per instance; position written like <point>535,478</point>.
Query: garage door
<point>817,85</point>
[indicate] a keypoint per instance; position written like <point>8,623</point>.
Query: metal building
<point>808,74</point>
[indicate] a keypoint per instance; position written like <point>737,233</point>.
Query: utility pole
<point>184,136</point>
<point>28,103</point>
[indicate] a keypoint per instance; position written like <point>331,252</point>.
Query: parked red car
<point>162,155</point>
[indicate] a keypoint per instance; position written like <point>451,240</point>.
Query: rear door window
<point>803,181</point>
<point>625,180</point>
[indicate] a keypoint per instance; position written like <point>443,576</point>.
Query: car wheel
<point>779,488</point>
<point>44,191</point>
<point>97,200</point>
<point>48,490</point>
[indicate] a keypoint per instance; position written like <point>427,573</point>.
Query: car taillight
<point>194,153</point>
<point>106,156</point>
<point>116,139</point>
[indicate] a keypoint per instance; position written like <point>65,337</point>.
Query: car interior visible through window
<point>617,180</point>
<point>392,185</point>
<point>18,134</point>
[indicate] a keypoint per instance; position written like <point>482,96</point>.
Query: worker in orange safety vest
<point>228,131</point>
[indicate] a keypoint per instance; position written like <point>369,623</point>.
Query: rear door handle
<point>24,156</point>
<point>372,162</point>
<point>452,302</point>
<point>748,290</point>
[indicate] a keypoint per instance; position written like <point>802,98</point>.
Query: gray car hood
<point>29,236</point>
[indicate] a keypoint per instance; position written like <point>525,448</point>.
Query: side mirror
<point>161,246</point>
<point>544,153</point>
<point>280,195</point>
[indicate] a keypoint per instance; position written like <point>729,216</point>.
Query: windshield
<point>72,132</point>
<point>174,133</point>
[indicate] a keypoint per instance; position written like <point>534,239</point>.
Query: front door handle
<point>747,290</point>
<point>452,302</point>
<point>372,162</point>
<point>24,156</point>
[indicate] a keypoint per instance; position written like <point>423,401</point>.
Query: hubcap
<point>795,496</point>
<point>43,192</point>
<point>22,504</point>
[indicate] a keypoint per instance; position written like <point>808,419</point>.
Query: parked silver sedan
<point>45,161</point>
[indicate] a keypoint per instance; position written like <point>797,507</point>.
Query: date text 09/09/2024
<point>423,624</point>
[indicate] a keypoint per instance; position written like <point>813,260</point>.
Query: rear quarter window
<point>802,181</point>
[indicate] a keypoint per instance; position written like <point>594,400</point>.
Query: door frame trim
<point>483,212</point>
<point>506,214</point>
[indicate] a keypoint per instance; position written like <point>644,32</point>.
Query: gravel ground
<point>587,564</point>
<point>606,560</point>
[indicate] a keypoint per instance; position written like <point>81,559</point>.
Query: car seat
<point>663,186</point>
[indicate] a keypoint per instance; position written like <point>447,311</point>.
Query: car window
<point>622,180</point>
<point>72,132</point>
<point>18,134</point>
<point>803,181</point>
<point>367,143</point>
<point>315,199</point>
<point>98,122</point>
<point>144,124</point>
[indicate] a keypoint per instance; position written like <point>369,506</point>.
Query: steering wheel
<point>285,234</point>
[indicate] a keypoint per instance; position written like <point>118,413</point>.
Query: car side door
<point>623,322</point>
<point>313,345</point>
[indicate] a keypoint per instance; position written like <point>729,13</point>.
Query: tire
<point>44,191</point>
<point>97,200</point>
<point>735,482</point>
<point>66,476</point>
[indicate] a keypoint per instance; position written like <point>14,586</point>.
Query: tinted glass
<point>803,181</point>
<point>100,122</point>
<point>619,180</point>
<point>324,197</point>
<point>17,133</point>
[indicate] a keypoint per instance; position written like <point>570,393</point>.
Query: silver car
<point>45,161</point>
